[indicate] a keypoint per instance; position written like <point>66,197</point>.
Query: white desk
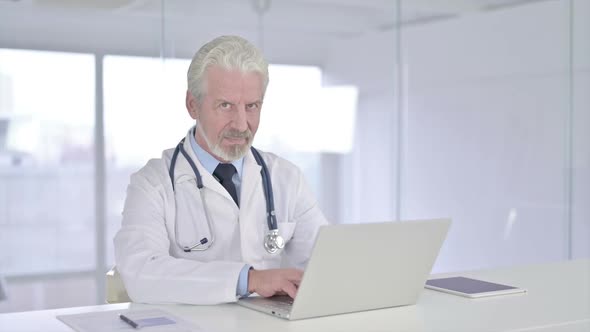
<point>558,301</point>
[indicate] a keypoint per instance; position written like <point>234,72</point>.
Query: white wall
<point>368,176</point>
<point>486,132</point>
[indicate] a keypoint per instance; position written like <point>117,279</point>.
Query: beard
<point>232,152</point>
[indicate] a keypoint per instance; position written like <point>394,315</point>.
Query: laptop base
<point>279,306</point>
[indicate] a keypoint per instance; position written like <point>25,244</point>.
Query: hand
<point>276,281</point>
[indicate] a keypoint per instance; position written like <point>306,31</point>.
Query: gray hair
<point>229,52</point>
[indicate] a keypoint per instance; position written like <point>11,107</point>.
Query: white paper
<point>108,321</point>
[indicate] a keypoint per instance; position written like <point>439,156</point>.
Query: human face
<point>228,114</point>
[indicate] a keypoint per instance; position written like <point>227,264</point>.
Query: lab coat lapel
<point>251,179</point>
<point>184,171</point>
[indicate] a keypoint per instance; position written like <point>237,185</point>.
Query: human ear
<point>191,105</point>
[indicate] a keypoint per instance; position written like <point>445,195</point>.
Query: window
<point>46,162</point>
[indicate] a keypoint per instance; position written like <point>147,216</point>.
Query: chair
<point>3,289</point>
<point>115,288</point>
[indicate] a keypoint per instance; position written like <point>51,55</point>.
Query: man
<point>182,244</point>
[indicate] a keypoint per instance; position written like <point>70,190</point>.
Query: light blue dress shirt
<point>210,163</point>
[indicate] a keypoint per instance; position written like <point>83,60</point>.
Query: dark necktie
<point>224,173</point>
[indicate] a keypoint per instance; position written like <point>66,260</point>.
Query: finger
<point>297,282</point>
<point>295,275</point>
<point>290,289</point>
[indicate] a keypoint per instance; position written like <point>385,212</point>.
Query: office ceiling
<point>360,14</point>
<point>295,31</point>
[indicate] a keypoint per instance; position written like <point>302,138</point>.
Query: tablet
<point>472,288</point>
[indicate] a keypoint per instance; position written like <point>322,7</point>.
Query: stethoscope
<point>273,242</point>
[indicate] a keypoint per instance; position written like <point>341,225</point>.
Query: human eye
<point>224,105</point>
<point>252,106</point>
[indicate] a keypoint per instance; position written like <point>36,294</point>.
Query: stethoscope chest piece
<point>273,242</point>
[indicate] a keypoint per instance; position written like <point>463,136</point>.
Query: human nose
<point>240,120</point>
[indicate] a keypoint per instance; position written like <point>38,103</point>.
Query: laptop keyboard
<point>283,303</point>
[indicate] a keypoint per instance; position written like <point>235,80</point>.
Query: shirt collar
<point>207,160</point>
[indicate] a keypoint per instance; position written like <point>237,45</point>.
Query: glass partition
<point>579,136</point>
<point>487,128</point>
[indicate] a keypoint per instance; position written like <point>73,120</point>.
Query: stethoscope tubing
<point>268,194</point>
<point>266,186</point>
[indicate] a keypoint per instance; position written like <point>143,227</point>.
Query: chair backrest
<point>115,288</point>
<point>3,289</point>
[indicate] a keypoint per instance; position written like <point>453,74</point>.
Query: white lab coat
<point>155,269</point>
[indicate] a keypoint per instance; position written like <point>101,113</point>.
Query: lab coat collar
<point>250,179</point>
<point>184,172</point>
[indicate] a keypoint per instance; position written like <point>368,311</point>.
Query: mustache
<point>237,134</point>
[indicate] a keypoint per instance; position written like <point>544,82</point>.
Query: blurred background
<point>477,110</point>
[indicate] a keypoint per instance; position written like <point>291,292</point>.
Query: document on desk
<point>149,320</point>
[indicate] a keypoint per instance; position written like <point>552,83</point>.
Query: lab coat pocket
<point>286,230</point>
<point>273,261</point>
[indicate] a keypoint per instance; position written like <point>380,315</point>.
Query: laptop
<point>358,267</point>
